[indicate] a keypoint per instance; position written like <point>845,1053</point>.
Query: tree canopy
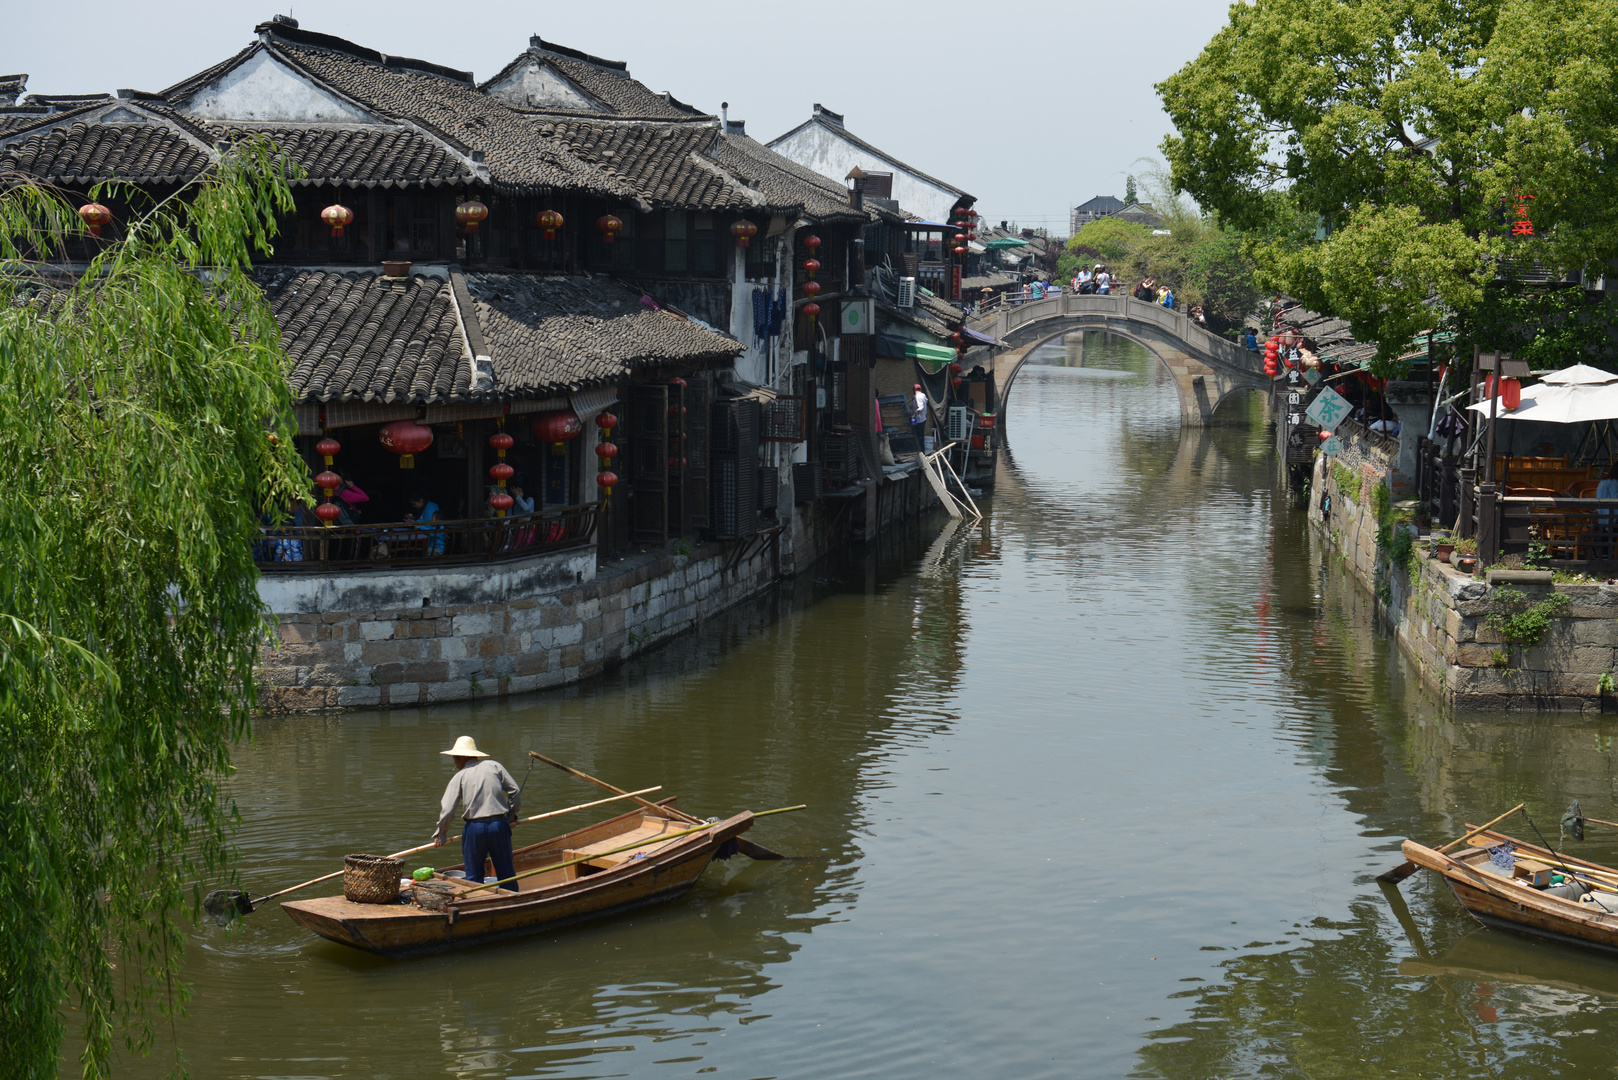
<point>1413,131</point>
<point>144,421</point>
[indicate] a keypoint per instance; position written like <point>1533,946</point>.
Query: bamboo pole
<point>618,850</point>
<point>666,811</point>
<point>424,847</point>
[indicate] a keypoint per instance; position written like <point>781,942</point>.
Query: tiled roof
<point>79,153</point>
<point>11,88</point>
<point>563,333</point>
<point>783,182</point>
<point>607,81</point>
<point>368,155</point>
<point>843,133</point>
<point>361,337</point>
<point>664,162</point>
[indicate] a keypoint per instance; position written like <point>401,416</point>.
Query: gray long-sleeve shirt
<point>484,788</point>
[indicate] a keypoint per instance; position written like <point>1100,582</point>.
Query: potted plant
<point>1465,555</point>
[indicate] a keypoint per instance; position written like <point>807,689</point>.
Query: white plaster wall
<point>318,592</point>
<point>818,148</point>
<point>263,88</point>
<point>541,86</point>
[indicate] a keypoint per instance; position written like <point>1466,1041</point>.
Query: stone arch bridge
<point>1206,368</point>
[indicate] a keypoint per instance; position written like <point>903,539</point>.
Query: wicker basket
<point>371,879</point>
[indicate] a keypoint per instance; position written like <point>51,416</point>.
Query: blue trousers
<point>491,839</point>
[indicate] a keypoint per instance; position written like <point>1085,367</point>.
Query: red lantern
<point>501,441</point>
<point>1510,392</point>
<point>501,472</point>
<point>328,512</point>
<point>501,502</point>
<point>677,382</point>
<point>957,381</point>
<point>95,215</point>
<point>606,451</point>
<point>811,288</point>
<point>330,481</point>
<point>676,462</point>
<point>328,448</point>
<point>959,250</point>
<point>743,230</point>
<point>337,215</point>
<point>811,242</point>
<point>812,265</point>
<point>957,337</point>
<point>550,221</point>
<point>469,213</point>
<point>811,310</point>
<point>955,369</point>
<point>1324,435</point>
<point>606,421</point>
<point>607,479</point>
<point>407,439</point>
<point>960,238</point>
<point>608,226</point>
<point>557,427</point>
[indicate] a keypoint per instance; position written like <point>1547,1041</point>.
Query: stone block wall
<point>1440,616</point>
<point>398,637</point>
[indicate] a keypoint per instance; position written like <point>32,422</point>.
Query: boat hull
<point>1505,904</point>
<point>404,931</point>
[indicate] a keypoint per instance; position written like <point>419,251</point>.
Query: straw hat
<point>465,746</point>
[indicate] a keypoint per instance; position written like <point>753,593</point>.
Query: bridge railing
<point>1182,326</point>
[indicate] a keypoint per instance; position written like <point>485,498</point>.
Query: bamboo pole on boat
<point>424,847</point>
<point>618,850</point>
<point>1406,868</point>
<point>666,811</point>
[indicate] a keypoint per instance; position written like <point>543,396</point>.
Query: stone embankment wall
<point>396,638</point>
<point>1440,616</point>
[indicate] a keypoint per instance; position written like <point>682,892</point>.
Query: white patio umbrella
<point>1580,375</point>
<point>1575,403</point>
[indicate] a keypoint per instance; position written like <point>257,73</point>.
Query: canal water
<point>1096,789</point>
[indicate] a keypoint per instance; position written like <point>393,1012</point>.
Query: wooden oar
<point>1406,868</point>
<point>627,847</point>
<point>247,905</point>
<point>666,811</point>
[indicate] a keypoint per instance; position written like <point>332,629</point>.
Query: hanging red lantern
<point>676,462</point>
<point>550,221</point>
<point>608,226</point>
<point>557,427</point>
<point>501,442</point>
<point>811,266</point>
<point>959,250</point>
<point>957,381</point>
<point>677,410</point>
<point>960,238</point>
<point>328,512</point>
<point>811,242</point>
<point>811,288</point>
<point>337,216</point>
<point>469,213</point>
<point>501,502</point>
<point>955,368</point>
<point>501,472</point>
<point>606,451</point>
<point>328,480</point>
<point>95,215</point>
<point>1510,392</point>
<point>677,382</point>
<point>957,337</point>
<point>407,439</point>
<point>328,448</point>
<point>607,478</point>
<point>606,421</point>
<point>1324,435</point>
<point>811,310</point>
<point>744,231</point>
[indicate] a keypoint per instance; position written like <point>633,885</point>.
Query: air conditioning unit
<point>907,292</point>
<point>959,428</point>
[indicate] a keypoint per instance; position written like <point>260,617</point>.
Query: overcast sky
<point>1032,112</point>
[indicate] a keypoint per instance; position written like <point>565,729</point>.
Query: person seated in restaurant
<point>352,496</point>
<point>522,504</point>
<point>423,510</point>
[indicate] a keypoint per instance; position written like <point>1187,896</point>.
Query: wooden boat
<point>1525,900</point>
<point>602,883</point>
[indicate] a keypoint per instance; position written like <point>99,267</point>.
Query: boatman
<point>491,799</point>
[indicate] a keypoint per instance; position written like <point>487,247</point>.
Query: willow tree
<point>144,422</point>
<point>1412,131</point>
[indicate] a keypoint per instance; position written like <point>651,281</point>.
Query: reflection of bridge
<point>1206,367</point>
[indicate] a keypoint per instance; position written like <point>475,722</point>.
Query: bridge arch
<point>1207,369</point>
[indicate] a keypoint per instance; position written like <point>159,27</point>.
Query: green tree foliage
<point>137,400</point>
<point>1408,129</point>
<point>1129,190</point>
<point>1202,263</point>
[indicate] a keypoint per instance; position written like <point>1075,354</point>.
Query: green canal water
<point>1098,789</point>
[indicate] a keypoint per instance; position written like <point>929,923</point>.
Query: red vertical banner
<point>955,282</point>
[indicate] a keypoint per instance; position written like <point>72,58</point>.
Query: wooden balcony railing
<point>302,548</point>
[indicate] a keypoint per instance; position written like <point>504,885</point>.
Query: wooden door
<point>649,466</point>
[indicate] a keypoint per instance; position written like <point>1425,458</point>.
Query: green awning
<point>1006,242</point>
<point>931,357</point>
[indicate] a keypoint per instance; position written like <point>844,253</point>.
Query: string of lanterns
<point>606,479</point>
<point>811,288</point>
<point>328,481</point>
<point>500,471</point>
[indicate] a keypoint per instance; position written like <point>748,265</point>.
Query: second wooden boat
<point>1543,894</point>
<point>600,881</point>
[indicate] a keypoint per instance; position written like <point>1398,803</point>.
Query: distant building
<point>1099,207</point>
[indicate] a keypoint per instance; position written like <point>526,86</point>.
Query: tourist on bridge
<point>1084,283</point>
<point>1146,290</point>
<point>1250,339</point>
<point>491,799</point>
<point>1103,280</point>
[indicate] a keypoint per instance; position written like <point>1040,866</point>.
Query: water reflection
<point>1097,788</point>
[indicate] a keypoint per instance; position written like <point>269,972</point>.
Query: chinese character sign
<point>1328,410</point>
<point>1522,225</point>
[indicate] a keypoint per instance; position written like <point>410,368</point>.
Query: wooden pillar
<point>1488,524</point>
<point>1468,494</point>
